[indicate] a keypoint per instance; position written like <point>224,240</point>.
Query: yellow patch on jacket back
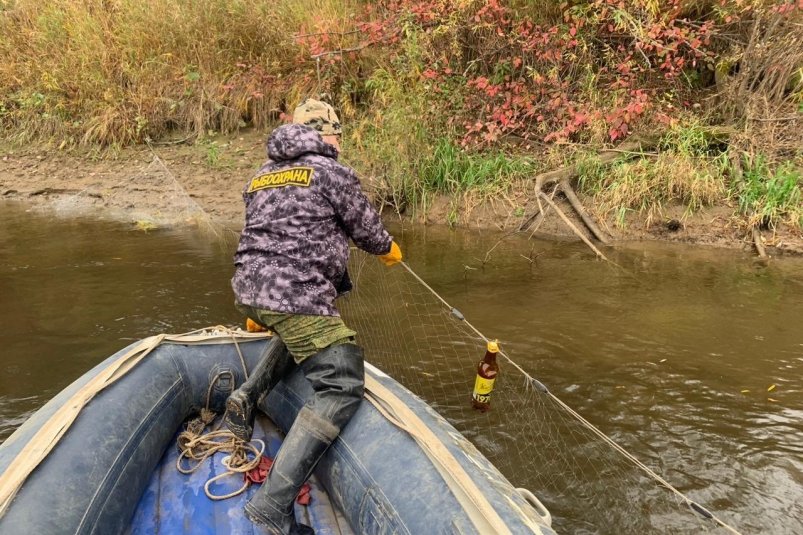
<point>294,176</point>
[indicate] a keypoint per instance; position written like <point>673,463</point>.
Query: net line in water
<point>589,483</point>
<point>151,198</point>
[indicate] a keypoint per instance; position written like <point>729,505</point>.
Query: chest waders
<point>337,377</point>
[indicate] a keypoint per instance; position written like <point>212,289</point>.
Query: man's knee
<point>337,376</point>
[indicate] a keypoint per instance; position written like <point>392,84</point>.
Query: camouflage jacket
<point>301,208</point>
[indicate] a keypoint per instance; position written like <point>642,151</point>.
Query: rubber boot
<point>240,406</point>
<point>337,377</point>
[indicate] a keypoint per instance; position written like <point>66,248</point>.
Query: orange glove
<point>393,257</point>
<point>253,327</point>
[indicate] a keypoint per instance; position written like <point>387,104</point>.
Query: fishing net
<point>588,483</point>
<point>150,197</point>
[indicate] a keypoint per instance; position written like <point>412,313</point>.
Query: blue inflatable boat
<point>101,456</point>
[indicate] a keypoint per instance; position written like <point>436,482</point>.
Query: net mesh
<point>151,197</point>
<point>535,440</point>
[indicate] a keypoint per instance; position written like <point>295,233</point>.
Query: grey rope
<point>459,315</point>
<point>699,509</point>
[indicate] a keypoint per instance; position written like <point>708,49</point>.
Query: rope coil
<point>196,445</point>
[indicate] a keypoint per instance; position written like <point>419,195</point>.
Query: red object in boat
<point>259,473</point>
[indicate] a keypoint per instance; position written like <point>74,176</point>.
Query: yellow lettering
<point>295,176</point>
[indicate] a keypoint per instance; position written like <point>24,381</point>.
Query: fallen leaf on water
<point>145,226</point>
<point>745,391</point>
<point>771,388</point>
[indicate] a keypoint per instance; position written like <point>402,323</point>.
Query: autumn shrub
<point>531,74</point>
<point>407,153</point>
<point>516,71</point>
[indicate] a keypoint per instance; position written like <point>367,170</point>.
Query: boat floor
<point>176,503</point>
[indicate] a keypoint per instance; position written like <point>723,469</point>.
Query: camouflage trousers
<point>304,335</point>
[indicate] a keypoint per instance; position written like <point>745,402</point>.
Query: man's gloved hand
<point>393,257</point>
<point>253,327</point>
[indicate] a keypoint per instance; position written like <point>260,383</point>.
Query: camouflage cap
<point>318,115</point>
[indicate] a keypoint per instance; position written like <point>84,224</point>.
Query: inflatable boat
<point>101,456</point>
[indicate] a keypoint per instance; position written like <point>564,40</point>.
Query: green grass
<point>770,196</point>
<point>688,138</point>
<point>213,153</point>
<point>449,169</point>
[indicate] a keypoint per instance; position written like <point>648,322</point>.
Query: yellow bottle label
<point>483,388</point>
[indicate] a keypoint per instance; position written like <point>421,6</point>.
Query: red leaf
<point>580,119</point>
<point>481,82</point>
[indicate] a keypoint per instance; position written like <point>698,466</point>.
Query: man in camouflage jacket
<point>301,209</point>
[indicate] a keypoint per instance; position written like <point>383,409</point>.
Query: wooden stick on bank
<point>562,179</point>
<point>572,226</point>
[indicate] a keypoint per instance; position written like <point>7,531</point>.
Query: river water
<point>692,357</point>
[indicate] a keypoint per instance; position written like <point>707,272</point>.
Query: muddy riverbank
<point>179,184</point>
